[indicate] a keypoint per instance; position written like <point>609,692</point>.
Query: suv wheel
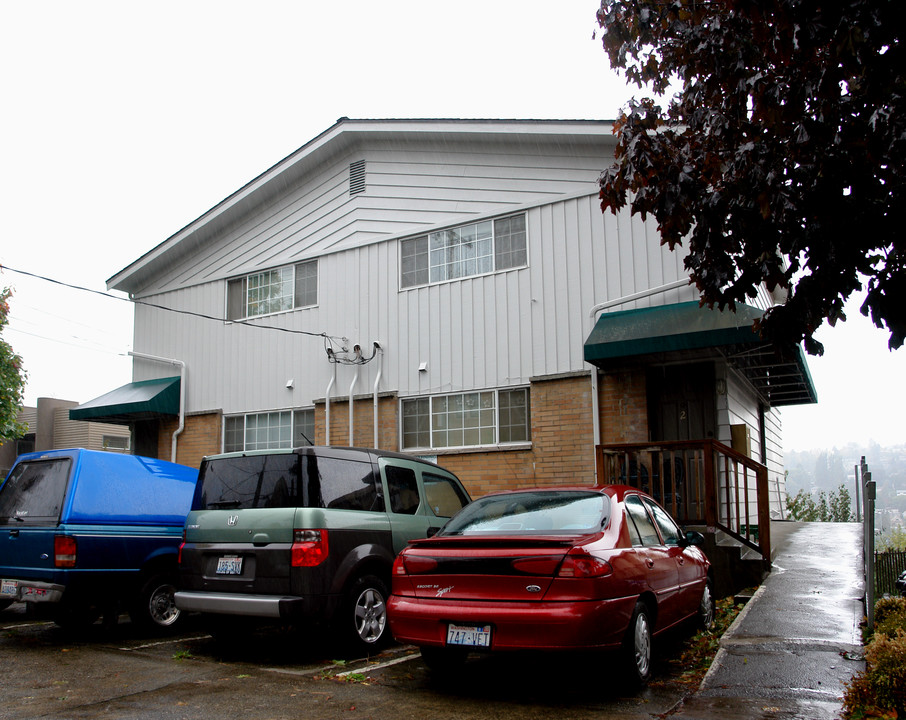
<point>364,617</point>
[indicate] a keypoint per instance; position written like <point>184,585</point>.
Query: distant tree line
<point>835,506</point>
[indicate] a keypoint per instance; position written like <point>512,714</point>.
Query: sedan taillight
<point>413,564</point>
<point>579,564</point>
<point>309,548</point>
<point>64,551</point>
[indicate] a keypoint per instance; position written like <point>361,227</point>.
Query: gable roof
<point>344,135</point>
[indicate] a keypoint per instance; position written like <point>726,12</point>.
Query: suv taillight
<point>309,548</point>
<point>64,551</point>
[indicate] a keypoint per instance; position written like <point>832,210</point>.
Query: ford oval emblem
<point>533,588</point>
<point>233,520</point>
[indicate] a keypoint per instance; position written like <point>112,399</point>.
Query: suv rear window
<point>34,491</point>
<point>286,480</point>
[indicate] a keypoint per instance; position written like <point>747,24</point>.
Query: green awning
<point>143,400</point>
<point>780,375</point>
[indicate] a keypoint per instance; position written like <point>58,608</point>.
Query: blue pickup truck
<point>85,533</point>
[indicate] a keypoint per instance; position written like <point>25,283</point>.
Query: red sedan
<point>560,568</point>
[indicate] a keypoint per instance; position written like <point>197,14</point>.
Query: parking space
<point>279,673</point>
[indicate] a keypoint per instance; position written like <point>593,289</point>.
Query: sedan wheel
<point>637,646</point>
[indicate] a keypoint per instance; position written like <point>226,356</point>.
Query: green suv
<point>309,534</point>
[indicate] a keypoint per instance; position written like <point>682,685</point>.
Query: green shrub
<point>880,691</point>
<point>890,614</point>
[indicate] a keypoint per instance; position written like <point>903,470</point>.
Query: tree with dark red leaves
<point>774,150</point>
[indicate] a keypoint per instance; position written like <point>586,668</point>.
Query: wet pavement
<point>797,642</point>
<point>788,655</point>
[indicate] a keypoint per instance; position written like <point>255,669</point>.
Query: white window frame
<point>465,416</point>
<point>459,252</point>
<point>291,295</point>
<point>280,430</point>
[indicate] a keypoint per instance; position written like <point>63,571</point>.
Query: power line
<point>190,313</point>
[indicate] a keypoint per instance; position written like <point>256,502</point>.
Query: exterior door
<point>681,402</point>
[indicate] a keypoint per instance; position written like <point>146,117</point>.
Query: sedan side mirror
<point>693,537</point>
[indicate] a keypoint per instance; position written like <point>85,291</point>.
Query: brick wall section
<point>624,406</point>
<point>362,422</point>
<point>561,451</point>
<point>201,436</point>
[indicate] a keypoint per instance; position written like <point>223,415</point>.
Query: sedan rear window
<point>544,512</point>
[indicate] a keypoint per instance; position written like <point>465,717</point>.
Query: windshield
<point>537,512</point>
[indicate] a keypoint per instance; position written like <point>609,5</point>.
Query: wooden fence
<point>888,566</point>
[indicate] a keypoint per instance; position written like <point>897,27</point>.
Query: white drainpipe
<point>182,395</point>
<point>330,385</point>
<point>595,412</point>
<point>377,381</point>
<point>355,379</point>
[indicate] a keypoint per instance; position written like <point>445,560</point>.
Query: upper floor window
<point>488,417</point>
<point>463,251</point>
<point>273,291</point>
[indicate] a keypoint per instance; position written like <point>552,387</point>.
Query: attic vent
<point>357,177</point>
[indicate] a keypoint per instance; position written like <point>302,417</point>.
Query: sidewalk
<point>790,651</point>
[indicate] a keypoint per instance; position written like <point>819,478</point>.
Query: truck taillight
<point>309,548</point>
<point>64,551</point>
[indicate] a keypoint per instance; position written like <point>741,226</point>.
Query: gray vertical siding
<point>481,332</point>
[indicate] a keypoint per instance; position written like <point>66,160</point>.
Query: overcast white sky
<point>122,122</point>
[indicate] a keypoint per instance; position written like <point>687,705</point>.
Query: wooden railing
<point>699,482</point>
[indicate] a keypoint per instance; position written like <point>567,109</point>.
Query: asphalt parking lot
<point>113,672</point>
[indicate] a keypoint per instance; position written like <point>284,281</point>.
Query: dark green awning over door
<point>782,376</point>
<point>143,400</point>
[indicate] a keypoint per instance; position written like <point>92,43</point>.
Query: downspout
<point>182,395</point>
<point>330,385</point>
<point>593,313</point>
<point>377,381</point>
<point>355,379</point>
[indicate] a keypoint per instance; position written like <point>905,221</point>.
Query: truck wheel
<point>154,608</point>
<point>363,618</point>
<point>75,616</point>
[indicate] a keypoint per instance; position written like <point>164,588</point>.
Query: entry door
<point>681,402</point>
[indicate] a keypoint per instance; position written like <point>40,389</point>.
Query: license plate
<point>9,588</point>
<point>229,565</point>
<point>469,635</point>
